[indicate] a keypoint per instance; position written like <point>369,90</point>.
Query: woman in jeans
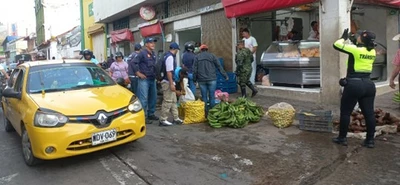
<point>205,73</point>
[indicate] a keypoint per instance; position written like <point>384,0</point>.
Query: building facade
<point>93,35</point>
<point>180,21</point>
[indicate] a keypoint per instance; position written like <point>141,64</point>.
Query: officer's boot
<point>243,90</point>
<point>251,86</point>
<point>340,140</point>
<point>369,141</point>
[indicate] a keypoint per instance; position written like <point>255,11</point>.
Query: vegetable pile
<point>236,115</point>
<point>357,122</point>
<point>282,114</point>
<point>396,97</point>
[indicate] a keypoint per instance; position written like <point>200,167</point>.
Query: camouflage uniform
<point>244,58</point>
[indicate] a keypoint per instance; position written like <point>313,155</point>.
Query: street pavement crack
<point>130,167</point>
<point>327,170</point>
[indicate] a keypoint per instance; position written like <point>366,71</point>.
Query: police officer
<point>145,70</point>
<point>188,60</point>
<point>244,58</point>
<point>357,85</point>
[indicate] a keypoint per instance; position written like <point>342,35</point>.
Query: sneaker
<point>165,123</point>
<point>147,121</point>
<point>340,141</point>
<point>178,122</point>
<point>153,117</point>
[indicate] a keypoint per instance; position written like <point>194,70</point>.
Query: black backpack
<point>160,67</point>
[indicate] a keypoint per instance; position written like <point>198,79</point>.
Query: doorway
<point>193,34</point>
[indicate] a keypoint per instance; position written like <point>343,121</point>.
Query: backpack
<point>160,67</point>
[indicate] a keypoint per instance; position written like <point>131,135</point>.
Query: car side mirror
<point>10,93</point>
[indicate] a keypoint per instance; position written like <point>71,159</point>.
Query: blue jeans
<point>208,93</point>
<point>134,84</point>
<point>192,87</point>
<point>147,94</point>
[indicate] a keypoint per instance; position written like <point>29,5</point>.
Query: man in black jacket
<point>131,63</point>
<point>205,73</point>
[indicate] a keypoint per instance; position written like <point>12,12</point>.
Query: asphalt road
<point>96,168</point>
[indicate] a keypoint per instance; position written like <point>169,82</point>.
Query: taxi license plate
<point>104,137</point>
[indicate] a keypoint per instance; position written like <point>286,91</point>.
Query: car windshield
<point>66,77</point>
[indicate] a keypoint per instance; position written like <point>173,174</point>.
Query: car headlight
<point>134,105</point>
<point>49,119</point>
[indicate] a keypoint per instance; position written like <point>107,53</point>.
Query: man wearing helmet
<point>88,55</point>
<point>187,61</point>
<point>40,56</point>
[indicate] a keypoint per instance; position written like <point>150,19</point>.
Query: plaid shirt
<point>396,60</point>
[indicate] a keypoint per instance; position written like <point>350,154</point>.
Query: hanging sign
<point>147,13</point>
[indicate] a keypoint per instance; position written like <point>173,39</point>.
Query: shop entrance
<point>193,34</point>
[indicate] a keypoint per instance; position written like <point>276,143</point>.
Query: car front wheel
<point>29,158</point>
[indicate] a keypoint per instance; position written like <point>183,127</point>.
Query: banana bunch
<point>396,97</point>
<point>235,115</point>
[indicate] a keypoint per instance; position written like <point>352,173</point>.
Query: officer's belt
<point>359,79</point>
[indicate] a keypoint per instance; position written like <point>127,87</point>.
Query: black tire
<point>27,153</point>
<point>7,124</point>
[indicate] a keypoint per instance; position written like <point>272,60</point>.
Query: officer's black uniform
<point>357,85</point>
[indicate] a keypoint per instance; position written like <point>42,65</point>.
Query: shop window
<point>121,23</point>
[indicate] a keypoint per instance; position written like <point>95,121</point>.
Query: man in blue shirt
<point>145,69</point>
<point>188,60</point>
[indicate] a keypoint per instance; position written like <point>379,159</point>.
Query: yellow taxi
<point>67,108</point>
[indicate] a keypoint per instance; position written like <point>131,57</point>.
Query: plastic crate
<point>221,78</point>
<point>319,121</point>
<point>230,90</point>
<point>226,85</point>
<point>221,61</point>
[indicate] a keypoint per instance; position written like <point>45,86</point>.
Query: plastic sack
<point>189,96</point>
<point>223,96</point>
<point>192,112</point>
<point>282,114</point>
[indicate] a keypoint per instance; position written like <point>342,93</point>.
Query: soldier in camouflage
<point>244,58</point>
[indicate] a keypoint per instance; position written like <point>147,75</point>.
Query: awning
<point>95,29</point>
<point>150,28</point>
<point>389,3</point>
<point>236,8</point>
<point>121,35</point>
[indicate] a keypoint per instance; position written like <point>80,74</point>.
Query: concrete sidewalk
<point>261,154</point>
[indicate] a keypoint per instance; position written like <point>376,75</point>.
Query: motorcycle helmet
<point>119,54</point>
<point>87,52</point>
<point>189,46</point>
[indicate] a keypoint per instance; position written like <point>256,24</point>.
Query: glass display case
<point>293,62</point>
<point>379,68</point>
<point>292,54</point>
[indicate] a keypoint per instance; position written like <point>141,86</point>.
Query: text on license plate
<point>104,137</point>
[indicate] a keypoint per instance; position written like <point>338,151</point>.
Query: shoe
<point>369,143</point>
<point>147,121</point>
<point>153,117</point>
<point>178,122</point>
<point>340,141</point>
<point>165,123</point>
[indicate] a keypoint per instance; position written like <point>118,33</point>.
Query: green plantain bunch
<point>396,97</point>
<point>236,115</point>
